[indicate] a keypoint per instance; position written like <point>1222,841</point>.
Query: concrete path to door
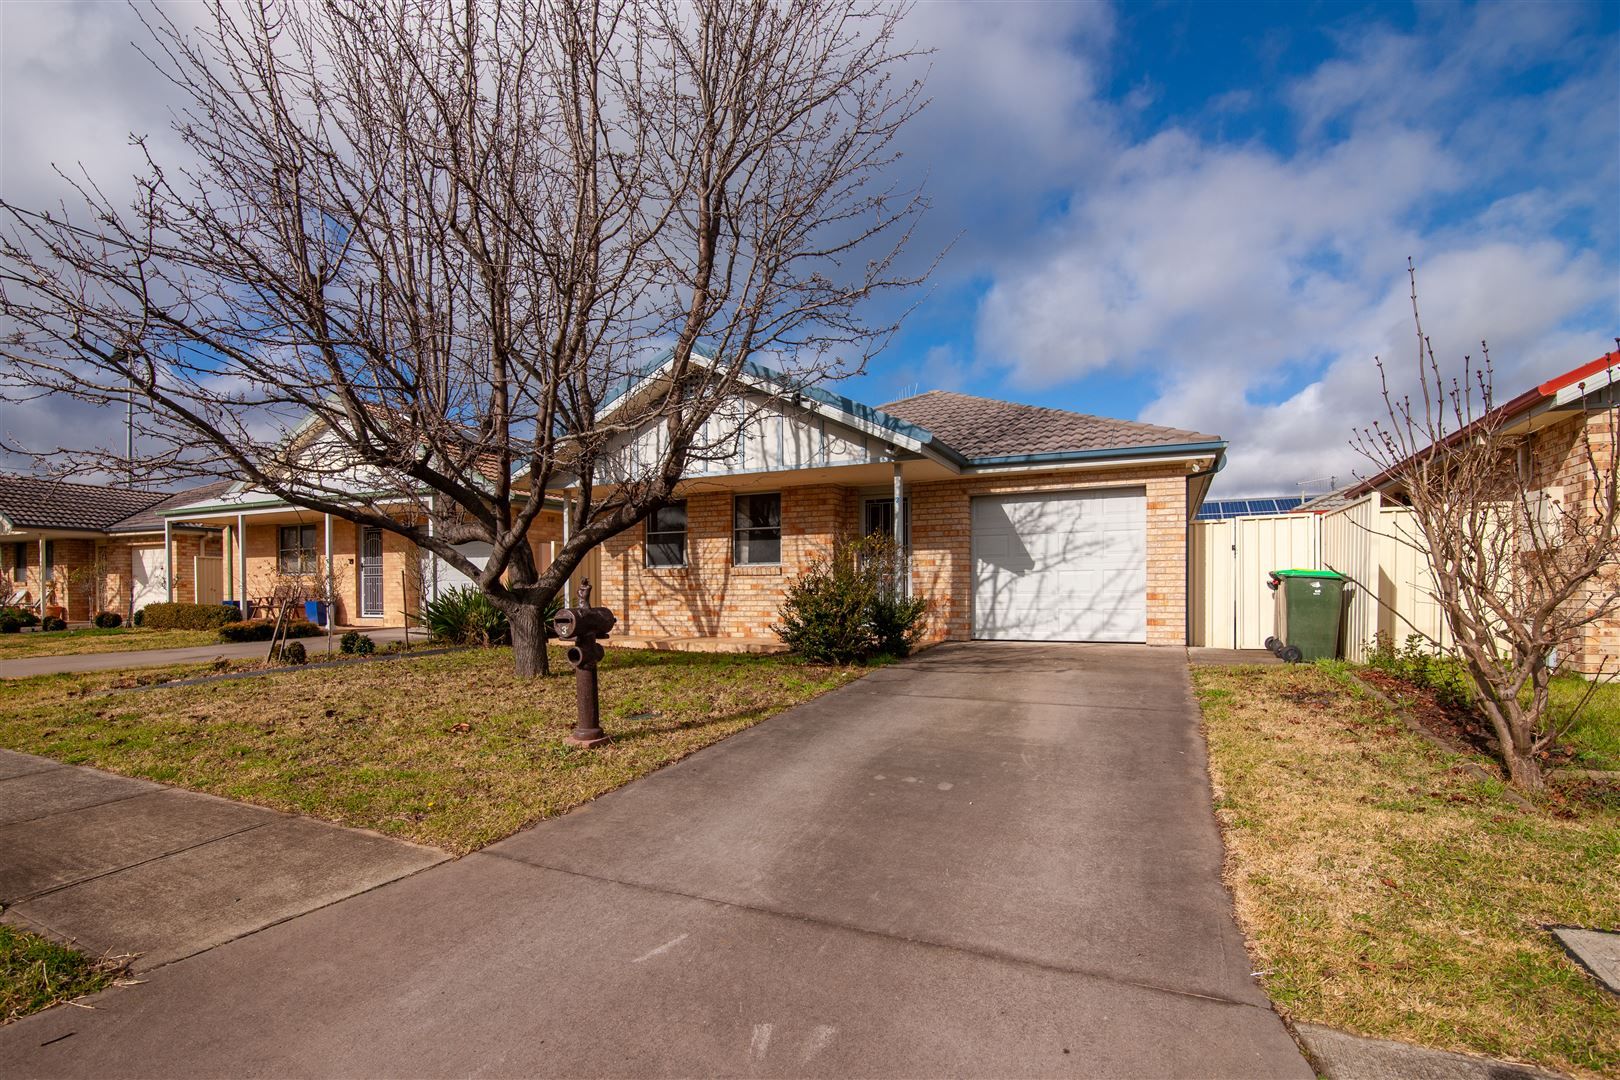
<point>197,654</point>
<point>992,860</point>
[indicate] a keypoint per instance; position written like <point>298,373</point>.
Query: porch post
<point>433,569</point>
<point>331,587</point>
<point>42,542</point>
<point>168,560</point>
<point>568,582</point>
<point>900,531</point>
<point>228,558</point>
<point>241,558</point>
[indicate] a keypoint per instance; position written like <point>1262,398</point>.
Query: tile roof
<point>147,520</point>
<point>34,502</point>
<point>979,427</point>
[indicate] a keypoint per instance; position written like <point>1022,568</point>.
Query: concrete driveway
<point>993,860</point>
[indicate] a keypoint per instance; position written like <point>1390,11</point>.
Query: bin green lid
<point>1309,574</point>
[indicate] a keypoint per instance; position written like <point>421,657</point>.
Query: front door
<point>371,574</point>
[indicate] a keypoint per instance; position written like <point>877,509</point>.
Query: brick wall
<point>710,597</point>
<point>1559,459</point>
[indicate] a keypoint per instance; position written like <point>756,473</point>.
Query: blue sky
<point>1192,214</point>
<point>1216,203</point>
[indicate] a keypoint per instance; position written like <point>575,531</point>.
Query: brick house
<point>1553,423</point>
<point>77,549</point>
<point>1020,522</point>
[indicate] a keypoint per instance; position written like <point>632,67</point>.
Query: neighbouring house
<point>1021,522</point>
<point>1553,424</point>
<point>79,549</point>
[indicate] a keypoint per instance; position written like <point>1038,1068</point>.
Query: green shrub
<point>51,624</point>
<point>465,616</point>
<point>108,620</point>
<point>138,618</point>
<point>187,616</point>
<point>291,652</point>
<point>356,643</point>
<point>23,616</point>
<point>848,605</point>
<point>10,624</point>
<point>1420,663</point>
<point>264,629</point>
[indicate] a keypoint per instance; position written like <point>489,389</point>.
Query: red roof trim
<point>1602,363</point>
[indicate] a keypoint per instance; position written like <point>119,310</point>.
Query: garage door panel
<point>1068,566</point>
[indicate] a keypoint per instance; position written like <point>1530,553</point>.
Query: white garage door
<point>147,583</point>
<point>448,577</point>
<point>1070,566</point>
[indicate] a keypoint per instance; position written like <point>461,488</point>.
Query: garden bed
<point>1389,890</point>
<point>451,750</point>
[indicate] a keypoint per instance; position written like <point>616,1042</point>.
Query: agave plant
<point>465,616</point>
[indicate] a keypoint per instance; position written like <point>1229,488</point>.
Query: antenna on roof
<point>911,390</point>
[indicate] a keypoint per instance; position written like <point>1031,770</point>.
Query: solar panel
<point>1221,509</point>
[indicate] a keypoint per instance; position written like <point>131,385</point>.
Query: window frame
<point>306,555</point>
<point>47,570</point>
<point>649,533</point>
<point>738,530</point>
<point>19,562</point>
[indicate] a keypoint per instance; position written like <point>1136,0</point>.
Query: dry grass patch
<point>94,640</point>
<point>36,974</point>
<point>450,750</point>
<point>1387,892</point>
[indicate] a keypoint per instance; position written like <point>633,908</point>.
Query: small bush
<point>357,644</point>
<point>1420,663</point>
<point>23,616</point>
<point>108,620</point>
<point>264,629</point>
<point>138,618</point>
<point>465,616</point>
<point>10,624</point>
<point>292,652</point>
<point>849,606</point>
<point>51,624</point>
<point>187,616</point>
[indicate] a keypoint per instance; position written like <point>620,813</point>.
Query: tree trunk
<point>1524,772</point>
<point>529,641</point>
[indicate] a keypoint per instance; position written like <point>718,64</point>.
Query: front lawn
<point>1387,892</point>
<point>36,974</point>
<point>450,750</point>
<point>1595,738</point>
<point>95,640</point>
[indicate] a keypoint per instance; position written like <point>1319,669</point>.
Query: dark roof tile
<point>979,427</point>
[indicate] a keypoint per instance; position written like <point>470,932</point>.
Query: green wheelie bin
<point>1309,611</point>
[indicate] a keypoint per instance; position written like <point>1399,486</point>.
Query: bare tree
<point>1522,562</point>
<point>420,245</point>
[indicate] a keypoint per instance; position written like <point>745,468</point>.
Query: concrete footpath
<point>993,860</point>
<point>198,654</point>
<point>119,866</point>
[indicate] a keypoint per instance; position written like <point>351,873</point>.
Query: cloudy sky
<point>1193,214</point>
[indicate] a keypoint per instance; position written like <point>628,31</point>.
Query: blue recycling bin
<point>237,604</point>
<point>315,611</point>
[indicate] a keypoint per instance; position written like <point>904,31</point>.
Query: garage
<point>1062,566</point>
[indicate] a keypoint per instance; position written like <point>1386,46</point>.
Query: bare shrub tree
<point>1520,569</point>
<point>419,245</point>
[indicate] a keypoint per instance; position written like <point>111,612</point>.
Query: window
<point>878,518</point>
<point>296,549</point>
<point>666,535</point>
<point>756,536</point>
<point>19,562</point>
<point>50,561</point>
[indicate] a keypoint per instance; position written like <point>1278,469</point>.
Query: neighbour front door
<point>371,573</point>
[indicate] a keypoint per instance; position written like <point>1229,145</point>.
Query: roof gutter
<point>1111,454</point>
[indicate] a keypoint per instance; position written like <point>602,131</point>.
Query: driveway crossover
<point>991,860</point>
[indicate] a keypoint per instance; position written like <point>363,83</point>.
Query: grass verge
<point>452,750</point>
<point>1387,892</point>
<point>95,640</point>
<point>36,974</point>
<point>1595,737</point>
